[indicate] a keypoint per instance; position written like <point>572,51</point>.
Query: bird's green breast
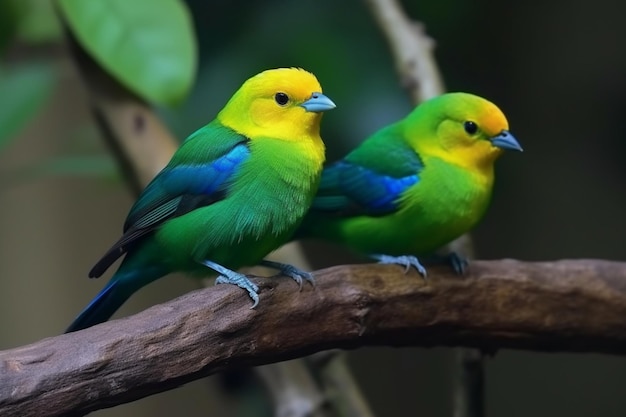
<point>446,202</point>
<point>264,204</point>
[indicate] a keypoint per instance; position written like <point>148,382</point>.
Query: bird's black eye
<point>470,127</point>
<point>281,99</point>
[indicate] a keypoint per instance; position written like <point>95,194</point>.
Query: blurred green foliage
<point>37,22</point>
<point>9,19</point>
<point>147,45</point>
<point>28,86</point>
<point>24,87</point>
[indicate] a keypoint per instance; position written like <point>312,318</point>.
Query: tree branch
<point>571,305</point>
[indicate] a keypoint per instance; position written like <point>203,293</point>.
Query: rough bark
<point>570,305</point>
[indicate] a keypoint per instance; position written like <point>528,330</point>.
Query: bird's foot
<point>231,277</point>
<point>290,271</point>
<point>458,263</point>
<point>405,260</point>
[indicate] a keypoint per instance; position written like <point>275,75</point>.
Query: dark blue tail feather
<point>102,307</point>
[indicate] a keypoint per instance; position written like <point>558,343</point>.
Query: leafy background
<point>556,69</point>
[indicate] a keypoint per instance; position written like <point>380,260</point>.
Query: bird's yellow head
<point>461,128</point>
<point>283,103</point>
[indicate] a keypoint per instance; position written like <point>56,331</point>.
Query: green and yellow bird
<point>235,190</point>
<point>415,185</point>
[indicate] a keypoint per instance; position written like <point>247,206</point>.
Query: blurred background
<point>557,69</point>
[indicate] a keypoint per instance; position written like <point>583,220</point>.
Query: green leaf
<point>147,45</point>
<point>23,90</point>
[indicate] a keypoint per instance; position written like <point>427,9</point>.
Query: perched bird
<point>414,185</point>
<point>235,190</point>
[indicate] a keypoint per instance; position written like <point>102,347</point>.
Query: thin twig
<point>294,391</point>
<point>469,390</point>
<point>412,50</point>
<point>339,385</point>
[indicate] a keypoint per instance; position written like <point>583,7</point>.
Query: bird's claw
<point>458,263</point>
<point>406,260</point>
<point>299,276</point>
<point>231,277</point>
<point>292,272</point>
<point>243,282</point>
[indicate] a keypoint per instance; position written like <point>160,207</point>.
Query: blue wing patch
<point>350,188</point>
<point>370,179</point>
<point>205,178</point>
